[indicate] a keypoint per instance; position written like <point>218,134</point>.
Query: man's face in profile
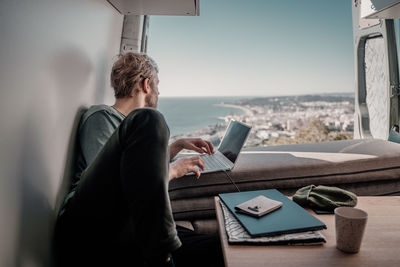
<point>152,98</point>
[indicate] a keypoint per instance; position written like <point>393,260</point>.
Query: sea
<point>190,114</point>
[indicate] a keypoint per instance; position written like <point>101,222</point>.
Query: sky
<point>255,48</point>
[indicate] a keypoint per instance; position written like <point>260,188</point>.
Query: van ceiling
<point>380,9</point>
<point>157,7</point>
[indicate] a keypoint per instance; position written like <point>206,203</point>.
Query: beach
<point>247,110</point>
<point>185,115</point>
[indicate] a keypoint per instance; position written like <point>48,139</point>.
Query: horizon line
<point>209,96</point>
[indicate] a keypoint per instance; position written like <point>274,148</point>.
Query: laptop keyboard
<point>214,162</point>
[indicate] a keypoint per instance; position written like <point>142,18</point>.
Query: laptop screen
<point>233,140</point>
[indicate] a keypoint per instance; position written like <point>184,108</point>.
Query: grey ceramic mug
<point>350,225</point>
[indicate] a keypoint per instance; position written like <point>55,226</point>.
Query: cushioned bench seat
<point>365,167</point>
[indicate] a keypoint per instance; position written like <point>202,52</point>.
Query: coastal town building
<point>277,119</point>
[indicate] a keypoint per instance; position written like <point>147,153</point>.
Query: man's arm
<point>94,133</point>
<point>98,128</point>
<point>186,165</point>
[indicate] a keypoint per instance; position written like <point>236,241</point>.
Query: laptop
<point>229,149</point>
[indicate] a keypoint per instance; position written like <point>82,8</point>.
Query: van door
<point>377,76</point>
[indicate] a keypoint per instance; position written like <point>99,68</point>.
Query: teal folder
<point>290,218</point>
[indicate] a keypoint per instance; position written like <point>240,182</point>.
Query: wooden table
<point>380,246</point>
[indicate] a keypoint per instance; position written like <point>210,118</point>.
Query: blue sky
<point>255,48</point>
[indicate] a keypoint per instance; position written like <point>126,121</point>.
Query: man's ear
<point>146,85</point>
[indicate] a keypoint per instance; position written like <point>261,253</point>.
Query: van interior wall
<point>55,56</point>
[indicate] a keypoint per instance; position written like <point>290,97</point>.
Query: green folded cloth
<point>324,197</point>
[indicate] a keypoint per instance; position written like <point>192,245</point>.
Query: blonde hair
<point>129,71</point>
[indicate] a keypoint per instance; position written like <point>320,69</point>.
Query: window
<point>285,67</point>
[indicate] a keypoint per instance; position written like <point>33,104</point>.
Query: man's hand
<point>196,144</point>
<point>185,165</point>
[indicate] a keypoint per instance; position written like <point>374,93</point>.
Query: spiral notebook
<point>237,235</point>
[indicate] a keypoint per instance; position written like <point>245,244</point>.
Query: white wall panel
<point>55,56</point>
<point>376,78</point>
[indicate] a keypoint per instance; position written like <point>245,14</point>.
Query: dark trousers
<point>198,250</point>
<point>120,214</point>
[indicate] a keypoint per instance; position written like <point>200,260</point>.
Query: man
<point>118,211</point>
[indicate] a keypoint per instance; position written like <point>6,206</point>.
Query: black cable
<point>230,178</point>
<point>218,162</point>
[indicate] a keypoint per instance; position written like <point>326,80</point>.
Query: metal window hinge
<point>394,90</point>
